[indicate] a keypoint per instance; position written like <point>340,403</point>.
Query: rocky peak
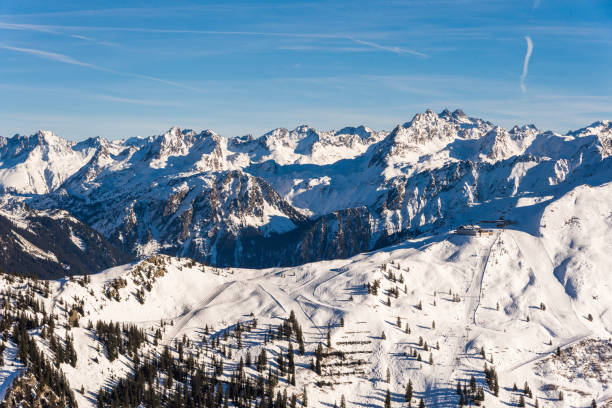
<point>424,128</point>
<point>362,131</point>
<point>304,129</point>
<point>594,128</point>
<point>47,137</point>
<point>422,119</point>
<point>177,142</point>
<point>458,113</point>
<point>602,130</point>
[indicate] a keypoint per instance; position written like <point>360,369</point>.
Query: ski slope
<point>521,297</point>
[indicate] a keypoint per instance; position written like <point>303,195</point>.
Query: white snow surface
<point>564,267</point>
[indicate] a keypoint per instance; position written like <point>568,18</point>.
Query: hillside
<point>51,244</point>
<point>530,307</point>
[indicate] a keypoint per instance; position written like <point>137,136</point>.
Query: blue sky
<point>84,69</point>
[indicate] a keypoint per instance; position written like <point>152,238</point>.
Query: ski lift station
<point>473,230</point>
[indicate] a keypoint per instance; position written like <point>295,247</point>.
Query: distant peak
<point>426,117</point>
<point>361,131</point>
<point>174,131</point>
<point>46,135</point>
<point>523,128</point>
<point>303,128</point>
<point>604,123</point>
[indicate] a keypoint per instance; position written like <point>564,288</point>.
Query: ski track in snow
<point>188,315</point>
<point>472,298</point>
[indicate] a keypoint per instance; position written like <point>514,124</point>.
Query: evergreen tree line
<point>119,339</point>
<point>40,380</point>
<point>168,380</point>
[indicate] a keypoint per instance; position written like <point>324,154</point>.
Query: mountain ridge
<point>301,195</point>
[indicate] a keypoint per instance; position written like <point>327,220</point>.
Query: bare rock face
<point>52,244</point>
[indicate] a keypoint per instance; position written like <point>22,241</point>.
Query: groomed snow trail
<point>188,315</point>
<point>437,390</point>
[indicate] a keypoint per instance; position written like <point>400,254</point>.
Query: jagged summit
<point>458,113</point>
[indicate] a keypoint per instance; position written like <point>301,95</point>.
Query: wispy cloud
<point>397,50</point>
<point>134,101</point>
<point>526,63</point>
<point>51,30</point>
<point>536,4</point>
<point>66,59</point>
<point>52,56</point>
<point>54,29</point>
<point>321,48</point>
<point>27,27</point>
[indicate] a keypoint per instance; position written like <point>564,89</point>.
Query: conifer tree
<point>408,394</point>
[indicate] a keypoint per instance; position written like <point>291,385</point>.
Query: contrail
<point>526,63</point>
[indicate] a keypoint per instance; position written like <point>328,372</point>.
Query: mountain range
<point>287,197</point>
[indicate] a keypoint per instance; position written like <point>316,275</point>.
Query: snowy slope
<point>39,163</point>
<point>521,296</point>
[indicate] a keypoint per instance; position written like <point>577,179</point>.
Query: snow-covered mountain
<point>309,268</point>
<point>289,197</point>
<point>40,163</point>
<point>489,313</point>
